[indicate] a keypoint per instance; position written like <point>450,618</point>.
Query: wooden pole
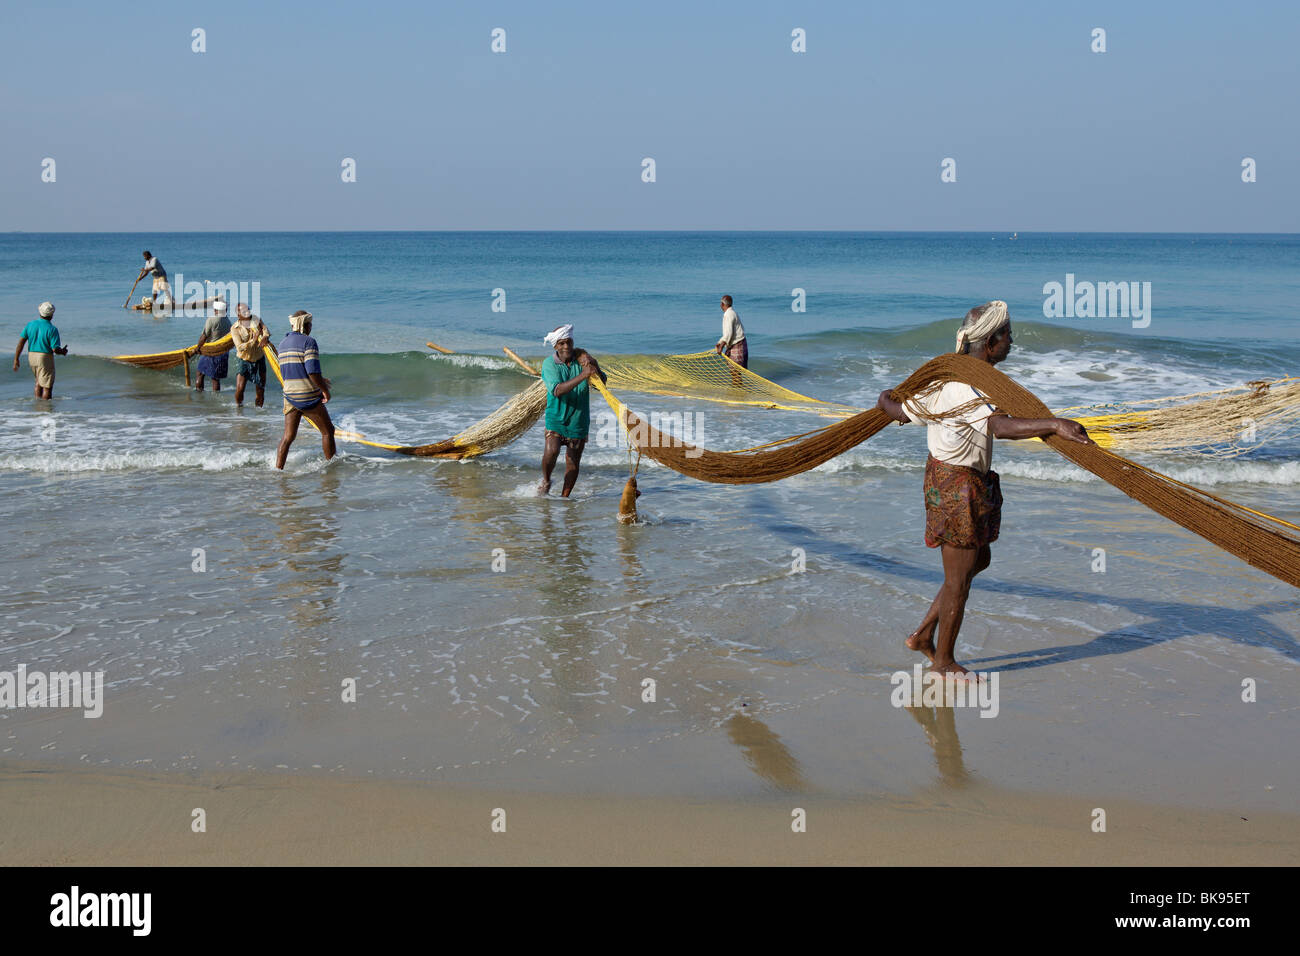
<point>439,348</point>
<point>526,367</point>
<point>187,368</point>
<point>132,292</point>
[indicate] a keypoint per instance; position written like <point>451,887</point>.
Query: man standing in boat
<point>963,498</point>
<point>160,283</point>
<point>568,408</point>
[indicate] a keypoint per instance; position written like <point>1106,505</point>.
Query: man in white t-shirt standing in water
<point>963,498</point>
<point>732,342</point>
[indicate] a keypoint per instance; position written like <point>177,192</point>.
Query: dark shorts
<point>575,444</point>
<point>214,366</point>
<point>963,507</point>
<point>254,372</point>
<point>739,353</point>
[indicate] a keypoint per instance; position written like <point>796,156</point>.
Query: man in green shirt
<point>568,411</point>
<point>42,341</point>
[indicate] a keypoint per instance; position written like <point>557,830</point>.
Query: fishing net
<point>1260,540</point>
<point>711,377</point>
<point>495,431</point>
<point>1222,424</point>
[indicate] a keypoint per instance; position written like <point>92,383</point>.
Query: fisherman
<point>306,391</point>
<point>733,336</point>
<point>43,343</point>
<point>568,409</point>
<point>963,499</point>
<point>160,283</point>
<point>251,337</point>
<point>215,367</point>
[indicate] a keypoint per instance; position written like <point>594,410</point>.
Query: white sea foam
<point>476,361</point>
<point>205,458</point>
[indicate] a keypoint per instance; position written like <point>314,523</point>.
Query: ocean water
<point>381,568</point>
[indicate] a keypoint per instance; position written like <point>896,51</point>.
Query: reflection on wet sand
<point>307,531</point>
<point>629,536</point>
<point>763,750</point>
<point>940,726</point>
<point>564,587</point>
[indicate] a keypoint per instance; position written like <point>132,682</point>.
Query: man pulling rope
<point>963,499</point>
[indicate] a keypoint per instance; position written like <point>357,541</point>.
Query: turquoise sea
<point>381,568</point>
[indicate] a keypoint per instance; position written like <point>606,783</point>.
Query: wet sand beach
<point>97,819</point>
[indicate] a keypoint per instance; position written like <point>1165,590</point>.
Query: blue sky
<point>746,134</point>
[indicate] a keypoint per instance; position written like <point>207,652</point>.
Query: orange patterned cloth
<point>963,507</point>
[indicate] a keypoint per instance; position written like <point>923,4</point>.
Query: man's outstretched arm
<point>1004,426</point>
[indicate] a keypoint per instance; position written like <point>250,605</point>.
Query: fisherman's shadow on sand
<point>1167,620</point>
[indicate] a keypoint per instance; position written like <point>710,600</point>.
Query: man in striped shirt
<point>306,391</point>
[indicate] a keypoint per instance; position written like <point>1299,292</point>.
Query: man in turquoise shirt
<point>42,341</point>
<point>568,411</point>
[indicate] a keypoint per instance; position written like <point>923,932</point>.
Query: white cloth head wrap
<point>296,322</point>
<point>46,310</point>
<point>994,317</point>
<point>219,308</point>
<point>563,332</point>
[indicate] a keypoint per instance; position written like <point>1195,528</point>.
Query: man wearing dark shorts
<point>963,498</point>
<point>568,410</point>
<point>250,339</point>
<point>306,391</point>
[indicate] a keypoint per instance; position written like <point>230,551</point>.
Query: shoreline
<point>58,817</point>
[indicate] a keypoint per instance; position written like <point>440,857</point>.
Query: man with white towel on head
<point>963,495</point>
<point>568,410</point>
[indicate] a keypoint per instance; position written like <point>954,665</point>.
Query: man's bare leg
<point>550,452</point>
<point>240,381</point>
<point>198,383</point>
<point>958,569</point>
<point>572,458</point>
<point>291,419</point>
<point>922,639</point>
<point>259,396</point>
<point>321,418</point>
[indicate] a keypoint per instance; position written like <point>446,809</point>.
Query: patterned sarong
<point>254,372</point>
<point>963,507</point>
<point>739,353</point>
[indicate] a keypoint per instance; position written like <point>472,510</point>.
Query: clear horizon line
<point>1030,232</point>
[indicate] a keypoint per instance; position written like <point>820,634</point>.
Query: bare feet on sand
<point>922,641</point>
<point>956,672</point>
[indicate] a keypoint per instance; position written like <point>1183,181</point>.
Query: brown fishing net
<point>1260,540</point>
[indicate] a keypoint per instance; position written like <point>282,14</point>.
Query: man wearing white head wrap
<point>568,411</point>
<point>306,390</point>
<point>553,336</point>
<point>215,367</point>
<point>43,343</point>
<point>963,497</point>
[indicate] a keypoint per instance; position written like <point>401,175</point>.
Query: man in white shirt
<point>963,497</point>
<point>733,335</point>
